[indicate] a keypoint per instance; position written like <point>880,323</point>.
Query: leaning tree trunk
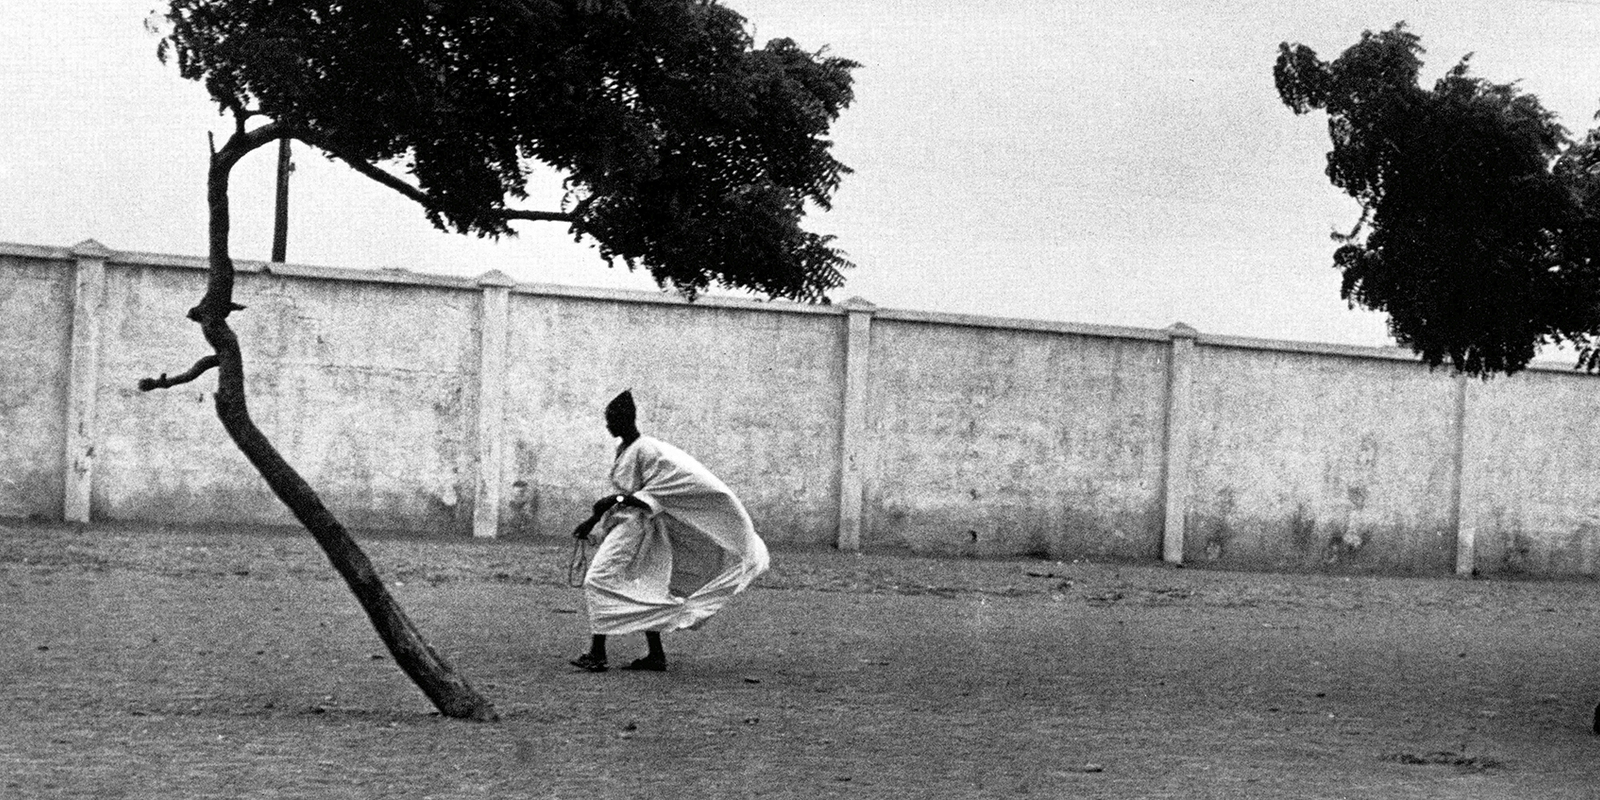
<point>448,690</point>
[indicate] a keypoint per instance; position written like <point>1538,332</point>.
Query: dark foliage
<point>1477,237</point>
<point>686,150</point>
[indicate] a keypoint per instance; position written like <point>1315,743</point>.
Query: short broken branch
<point>201,367</point>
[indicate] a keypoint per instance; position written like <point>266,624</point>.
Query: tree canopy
<point>1478,235</point>
<point>686,150</point>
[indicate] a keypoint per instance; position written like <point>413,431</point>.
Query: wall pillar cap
<point>495,277</point>
<point>1180,330</point>
<point>89,248</point>
<point>859,304</point>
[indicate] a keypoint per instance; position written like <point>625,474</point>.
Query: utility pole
<point>280,226</point>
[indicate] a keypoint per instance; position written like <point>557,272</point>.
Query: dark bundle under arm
<point>603,505</point>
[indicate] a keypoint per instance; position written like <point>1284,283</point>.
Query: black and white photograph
<point>651,399</point>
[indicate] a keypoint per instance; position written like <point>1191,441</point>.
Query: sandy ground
<point>158,663</point>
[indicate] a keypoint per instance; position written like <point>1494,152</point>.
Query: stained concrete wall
<point>457,407</point>
<point>999,441</point>
<point>35,329</point>
<point>1303,460</point>
<point>1530,499</point>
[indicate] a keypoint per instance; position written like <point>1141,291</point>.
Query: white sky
<point>1122,162</point>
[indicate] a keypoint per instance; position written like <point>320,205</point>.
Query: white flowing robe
<point>675,565</point>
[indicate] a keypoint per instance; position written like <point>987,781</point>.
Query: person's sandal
<point>588,662</point>
<point>647,664</point>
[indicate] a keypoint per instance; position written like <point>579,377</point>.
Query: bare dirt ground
<point>158,663</point>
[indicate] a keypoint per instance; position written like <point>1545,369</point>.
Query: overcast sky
<point>1124,162</point>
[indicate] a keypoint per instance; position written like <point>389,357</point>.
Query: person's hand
<point>583,529</point>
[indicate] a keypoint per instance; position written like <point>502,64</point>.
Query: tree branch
<point>201,367</point>
<point>513,214</point>
<point>414,194</point>
<point>218,303</point>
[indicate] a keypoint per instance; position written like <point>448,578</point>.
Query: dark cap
<point>621,407</point>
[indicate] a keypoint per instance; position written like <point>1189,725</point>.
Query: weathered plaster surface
<point>976,436</point>
<point>35,330</point>
<point>992,441</point>
<point>1530,474</point>
<point>1307,461</point>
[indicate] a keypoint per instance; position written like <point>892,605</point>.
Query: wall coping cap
<point>495,277</point>
<point>669,298</point>
<point>1021,324</point>
<point>859,304</point>
<point>89,248</point>
<point>1182,330</point>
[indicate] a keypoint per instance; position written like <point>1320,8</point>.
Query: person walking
<point>678,545</point>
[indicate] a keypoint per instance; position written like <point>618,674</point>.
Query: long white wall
<point>455,407</point>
